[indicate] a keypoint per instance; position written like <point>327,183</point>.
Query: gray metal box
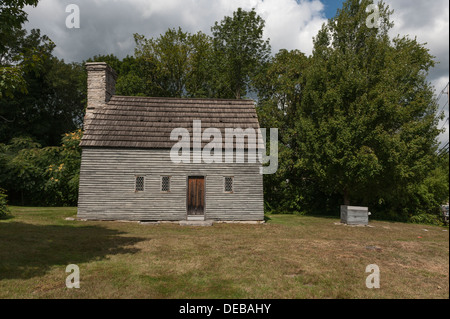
<point>354,215</point>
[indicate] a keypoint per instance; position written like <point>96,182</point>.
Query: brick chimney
<point>101,83</point>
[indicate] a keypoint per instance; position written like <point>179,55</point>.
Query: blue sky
<point>331,6</point>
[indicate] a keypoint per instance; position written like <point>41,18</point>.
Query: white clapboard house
<point>128,173</point>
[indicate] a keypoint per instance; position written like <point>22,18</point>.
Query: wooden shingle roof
<point>147,122</point>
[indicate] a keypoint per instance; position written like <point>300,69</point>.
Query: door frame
<point>195,217</point>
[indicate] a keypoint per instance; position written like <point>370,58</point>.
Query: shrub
<point>4,211</point>
<point>430,219</point>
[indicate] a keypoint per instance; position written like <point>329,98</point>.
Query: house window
<point>139,186</point>
<point>165,183</point>
<point>228,184</point>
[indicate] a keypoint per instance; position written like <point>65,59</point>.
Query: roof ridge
<point>180,98</point>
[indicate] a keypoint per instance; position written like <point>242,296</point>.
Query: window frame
<point>225,184</point>
<point>136,177</point>
<point>161,184</point>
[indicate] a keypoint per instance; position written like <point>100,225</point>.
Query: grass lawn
<point>288,257</point>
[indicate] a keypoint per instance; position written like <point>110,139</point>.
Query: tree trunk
<point>237,93</point>
<point>346,198</point>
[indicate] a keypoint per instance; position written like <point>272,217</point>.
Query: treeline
<point>45,176</point>
<point>42,100</point>
<point>181,64</point>
<point>357,119</point>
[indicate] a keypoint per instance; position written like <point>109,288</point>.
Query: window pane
<point>229,184</point>
<point>165,183</point>
<point>139,183</point>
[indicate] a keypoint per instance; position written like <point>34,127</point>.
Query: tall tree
<point>280,89</point>
<point>55,99</point>
<point>175,64</point>
<point>199,78</point>
<point>131,77</point>
<point>367,127</point>
<point>14,63</point>
<point>240,51</point>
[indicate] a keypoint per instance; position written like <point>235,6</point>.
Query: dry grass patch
<point>288,257</point>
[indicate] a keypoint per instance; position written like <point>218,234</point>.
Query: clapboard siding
<point>107,181</point>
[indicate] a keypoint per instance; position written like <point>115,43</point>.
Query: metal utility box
<point>354,215</point>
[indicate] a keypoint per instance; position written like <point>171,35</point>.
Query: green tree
<point>199,78</point>
<point>131,77</point>
<point>239,52</point>
<point>20,172</point>
<point>55,100</point>
<point>367,127</point>
<point>130,84</point>
<point>14,63</point>
<point>280,89</point>
<point>4,210</point>
<point>63,173</point>
<point>169,55</point>
<point>36,175</point>
<point>175,64</point>
<point>12,15</point>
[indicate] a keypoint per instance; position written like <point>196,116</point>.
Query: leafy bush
<point>430,219</point>
<point>36,175</point>
<point>4,211</point>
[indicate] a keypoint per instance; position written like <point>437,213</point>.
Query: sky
<point>107,26</point>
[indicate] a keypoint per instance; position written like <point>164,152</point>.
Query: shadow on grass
<point>28,250</point>
<point>319,215</point>
<point>328,216</point>
<point>6,217</point>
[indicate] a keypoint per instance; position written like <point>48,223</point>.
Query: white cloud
<point>290,25</point>
<point>107,26</point>
<point>429,22</point>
